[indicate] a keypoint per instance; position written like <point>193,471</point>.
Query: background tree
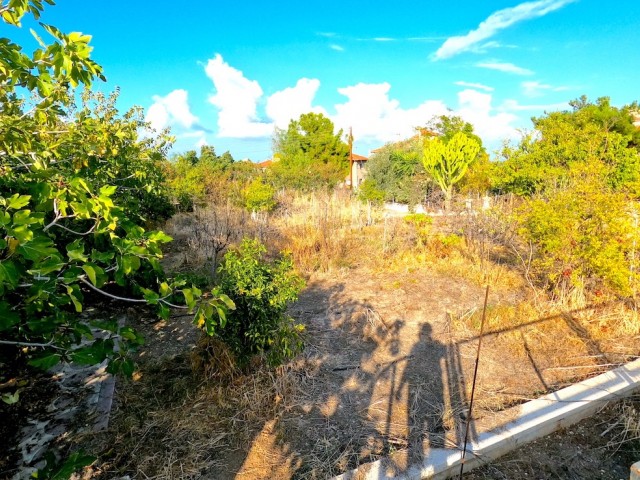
<point>310,154</point>
<point>578,174</point>
<point>589,133</point>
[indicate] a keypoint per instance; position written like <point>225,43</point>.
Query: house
<point>358,170</point>
<point>264,165</point>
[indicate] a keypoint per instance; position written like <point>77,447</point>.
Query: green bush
<point>259,196</point>
<point>583,237</point>
<point>261,290</point>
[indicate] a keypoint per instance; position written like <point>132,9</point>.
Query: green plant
<point>73,188</point>
<point>261,291</point>
<point>421,225</point>
<point>64,468</point>
<point>259,196</point>
<point>583,236</point>
<point>448,162</point>
<point>369,192</point>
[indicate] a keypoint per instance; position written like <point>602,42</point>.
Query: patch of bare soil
<point>386,371</point>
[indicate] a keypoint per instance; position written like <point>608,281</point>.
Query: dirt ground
<point>386,371</point>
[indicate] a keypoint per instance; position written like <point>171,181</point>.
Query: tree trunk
<point>448,194</point>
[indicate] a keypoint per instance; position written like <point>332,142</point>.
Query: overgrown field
<point>391,314</point>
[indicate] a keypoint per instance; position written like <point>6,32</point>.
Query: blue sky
<point>226,73</point>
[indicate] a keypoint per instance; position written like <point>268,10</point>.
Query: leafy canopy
<point>310,154</point>
<point>76,187</point>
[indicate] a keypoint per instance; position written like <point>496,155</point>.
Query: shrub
<point>583,237</point>
<point>261,291</point>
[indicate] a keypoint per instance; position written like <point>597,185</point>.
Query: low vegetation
<point>83,186</point>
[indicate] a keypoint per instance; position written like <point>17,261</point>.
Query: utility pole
<point>351,158</point>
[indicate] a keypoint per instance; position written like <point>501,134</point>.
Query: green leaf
<point>188,298</point>
<point>108,190</point>
<point>160,237</point>
<point>76,461</point>
<point>37,249</point>
<point>11,398</point>
<point>18,201</point>
<point>25,217</point>
<point>165,290</point>
<point>8,273</point>
<point>23,233</point>
<point>75,296</point>
<point>128,333</point>
<point>49,265</point>
<point>164,312</point>
<point>46,361</point>
<point>130,264</point>
<point>75,251</point>
<point>8,317</point>
<point>150,296</point>
<point>5,219</point>
<point>122,366</point>
<point>103,257</point>
<point>226,300</point>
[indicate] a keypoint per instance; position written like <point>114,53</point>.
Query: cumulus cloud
<point>171,110</point>
<point>236,99</point>
<point>496,22</point>
<point>479,86</point>
<point>292,102</point>
<point>375,116</point>
<point>536,89</point>
<point>490,125</point>
<point>505,67</point>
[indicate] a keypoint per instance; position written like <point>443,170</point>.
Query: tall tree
<point>310,153</point>
<point>74,183</point>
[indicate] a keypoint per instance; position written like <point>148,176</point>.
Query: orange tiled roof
<point>265,164</point>
<point>359,158</point>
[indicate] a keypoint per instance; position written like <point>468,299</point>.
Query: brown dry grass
<point>177,424</point>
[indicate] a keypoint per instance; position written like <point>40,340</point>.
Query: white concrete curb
<point>534,419</point>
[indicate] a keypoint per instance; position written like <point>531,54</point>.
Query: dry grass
<point>172,425</point>
<point>176,424</point>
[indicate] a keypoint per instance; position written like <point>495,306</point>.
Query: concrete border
<point>534,419</point>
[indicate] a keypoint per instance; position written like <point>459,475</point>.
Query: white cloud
<point>474,85</point>
<point>515,106</point>
<point>476,108</point>
<point>383,39</point>
<point>171,110</point>
<point>505,67</point>
<point>336,47</point>
<point>292,102</point>
<point>536,89</point>
<point>375,116</point>
<point>202,142</point>
<point>236,100</point>
<point>495,22</point>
